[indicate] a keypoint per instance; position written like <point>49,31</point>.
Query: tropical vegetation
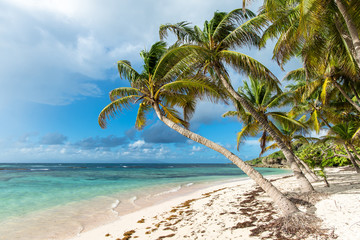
<point>321,96</point>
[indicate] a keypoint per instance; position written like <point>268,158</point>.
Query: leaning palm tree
<point>293,134</point>
<point>346,134</point>
<point>213,46</point>
<point>349,10</point>
<point>264,100</point>
<point>295,23</point>
<point>316,31</point>
<point>166,84</point>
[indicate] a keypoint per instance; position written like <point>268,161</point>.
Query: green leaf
<point>141,115</point>
<point>111,110</point>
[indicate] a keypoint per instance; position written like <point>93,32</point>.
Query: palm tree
<point>298,22</point>
<point>316,31</point>
<point>306,96</point>
<point>346,9</point>
<point>213,46</point>
<point>346,134</point>
<point>164,84</point>
<point>292,134</point>
<point>263,99</point>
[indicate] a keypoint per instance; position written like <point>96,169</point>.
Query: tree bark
<point>306,170</point>
<point>355,92</point>
<point>352,159</point>
<point>355,152</point>
<point>337,85</point>
<point>310,175</point>
<point>345,35</point>
<point>326,182</point>
<point>303,181</point>
<point>285,205</point>
<point>352,30</point>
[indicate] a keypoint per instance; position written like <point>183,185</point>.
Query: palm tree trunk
<point>355,152</point>
<point>337,85</point>
<point>352,159</point>
<point>355,92</point>
<point>306,170</point>
<point>290,157</point>
<point>285,205</point>
<point>303,166</point>
<point>352,30</point>
<point>347,38</point>
<point>326,182</point>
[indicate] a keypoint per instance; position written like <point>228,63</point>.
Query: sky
<point>58,64</point>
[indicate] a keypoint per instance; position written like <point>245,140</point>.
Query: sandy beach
<point>240,210</point>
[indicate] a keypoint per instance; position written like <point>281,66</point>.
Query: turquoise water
<point>28,188</point>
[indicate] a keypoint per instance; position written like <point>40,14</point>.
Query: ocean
<point>57,201</point>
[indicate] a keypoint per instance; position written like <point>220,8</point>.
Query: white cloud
<point>17,151</point>
<point>137,144</point>
<point>197,148</point>
<point>53,50</point>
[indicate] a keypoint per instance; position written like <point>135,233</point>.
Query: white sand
<point>341,211</point>
<point>223,212</point>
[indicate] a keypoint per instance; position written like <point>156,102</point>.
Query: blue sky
<point>57,65</point>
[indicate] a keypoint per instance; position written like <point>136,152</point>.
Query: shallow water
<point>54,201</point>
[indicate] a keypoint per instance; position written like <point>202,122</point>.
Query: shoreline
<point>85,215</point>
<point>127,221</point>
<point>75,217</point>
<point>225,212</point>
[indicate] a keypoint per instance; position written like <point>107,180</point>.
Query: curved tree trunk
<point>310,175</point>
<point>352,30</point>
<point>352,159</point>
<point>284,204</point>
<point>337,85</point>
<point>289,155</point>
<point>356,153</point>
<point>347,38</point>
<point>306,170</point>
<point>355,92</point>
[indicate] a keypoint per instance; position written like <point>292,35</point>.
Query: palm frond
<point>231,114</point>
<point>247,130</point>
<point>251,67</point>
<point>228,21</point>
<point>184,86</point>
<point>111,110</point>
<point>295,75</point>
<point>181,30</point>
<point>126,71</point>
<point>173,115</point>
<point>282,117</point>
<point>151,58</point>
<point>278,100</point>
<point>247,34</point>
<point>356,135</point>
<point>141,115</point>
<point>177,61</point>
<point>313,121</point>
<point>272,146</point>
<point>123,92</point>
<point>263,142</point>
<point>324,89</point>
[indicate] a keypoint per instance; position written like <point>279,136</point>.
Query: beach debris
<point>127,235</point>
<point>245,224</point>
<point>297,226</point>
<point>167,236</point>
<point>141,220</point>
